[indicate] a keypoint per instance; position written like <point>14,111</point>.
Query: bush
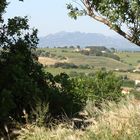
<point>65,65</point>
<point>84,66</point>
<point>106,87</point>
<point>67,96</point>
<point>22,80</point>
<point>138,61</point>
<point>102,86</point>
<point>128,83</point>
<point>135,94</point>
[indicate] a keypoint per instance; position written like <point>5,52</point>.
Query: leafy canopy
<point>116,14</point>
<point>22,80</point>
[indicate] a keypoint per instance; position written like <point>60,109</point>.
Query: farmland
<point>128,62</point>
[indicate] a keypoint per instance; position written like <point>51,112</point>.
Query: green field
<point>130,58</point>
<point>96,61</point>
<point>128,61</point>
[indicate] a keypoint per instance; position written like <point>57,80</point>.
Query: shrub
<point>22,80</point>
<point>138,61</point>
<point>135,94</point>
<point>102,86</point>
<point>128,83</point>
<point>84,66</point>
<point>65,65</point>
<point>64,98</point>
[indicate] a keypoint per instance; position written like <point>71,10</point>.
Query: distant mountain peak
<point>82,39</point>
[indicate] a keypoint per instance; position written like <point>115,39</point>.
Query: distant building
<point>116,69</point>
<point>136,70</point>
<point>87,49</point>
<point>103,51</point>
<point>77,50</point>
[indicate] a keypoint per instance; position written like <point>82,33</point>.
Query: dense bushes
<point>64,65</point>
<point>22,80</point>
<point>100,51</point>
<point>102,86</point>
<point>67,96</point>
<point>128,83</point>
<point>70,94</point>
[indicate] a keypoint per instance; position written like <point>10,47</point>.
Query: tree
<point>3,4</point>
<point>116,14</point>
<point>22,80</point>
<point>113,50</point>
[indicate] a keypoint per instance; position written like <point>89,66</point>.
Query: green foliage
<point>71,66</point>
<point>65,65</point>
<point>128,83</point>
<point>43,53</point>
<point>67,96</point>
<point>113,13</point>
<point>23,82</point>
<point>106,86</point>
<point>100,51</point>
<point>70,94</point>
<point>136,94</point>
<point>39,113</point>
<point>3,5</point>
<point>102,86</point>
<point>22,79</point>
<point>86,66</point>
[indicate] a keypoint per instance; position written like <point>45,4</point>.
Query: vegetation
<point>128,83</point>
<point>100,51</point>
<point>97,62</point>
<point>65,65</point>
<point>129,57</point>
<point>30,95</point>
<point>103,86</point>
<point>22,79</point>
<point>114,122</point>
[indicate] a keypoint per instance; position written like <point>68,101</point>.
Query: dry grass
<point>50,61</point>
<point>114,122</point>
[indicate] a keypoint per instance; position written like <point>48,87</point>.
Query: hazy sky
<point>50,16</point>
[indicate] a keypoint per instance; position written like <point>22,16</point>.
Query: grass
<point>99,62</point>
<point>56,71</point>
<point>96,61</point>
<point>115,122</point>
<point>132,76</point>
<point>130,58</point>
<point>129,61</point>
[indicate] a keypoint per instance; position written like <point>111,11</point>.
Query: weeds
<point>114,122</point>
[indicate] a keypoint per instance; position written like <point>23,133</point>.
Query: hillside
<point>86,39</point>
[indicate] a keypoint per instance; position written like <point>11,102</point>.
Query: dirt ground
<point>50,61</point>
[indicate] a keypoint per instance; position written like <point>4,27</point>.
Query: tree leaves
<point>114,13</point>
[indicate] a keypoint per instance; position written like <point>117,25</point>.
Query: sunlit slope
<point>80,59</point>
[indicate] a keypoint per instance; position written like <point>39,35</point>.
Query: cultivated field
<point>128,61</point>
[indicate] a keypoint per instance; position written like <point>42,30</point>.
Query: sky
<point>51,16</point>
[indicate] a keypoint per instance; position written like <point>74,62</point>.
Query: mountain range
<point>62,39</point>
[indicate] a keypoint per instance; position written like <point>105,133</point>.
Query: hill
<point>61,39</point>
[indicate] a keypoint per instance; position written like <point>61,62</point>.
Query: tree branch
<point>116,29</point>
<point>90,13</point>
